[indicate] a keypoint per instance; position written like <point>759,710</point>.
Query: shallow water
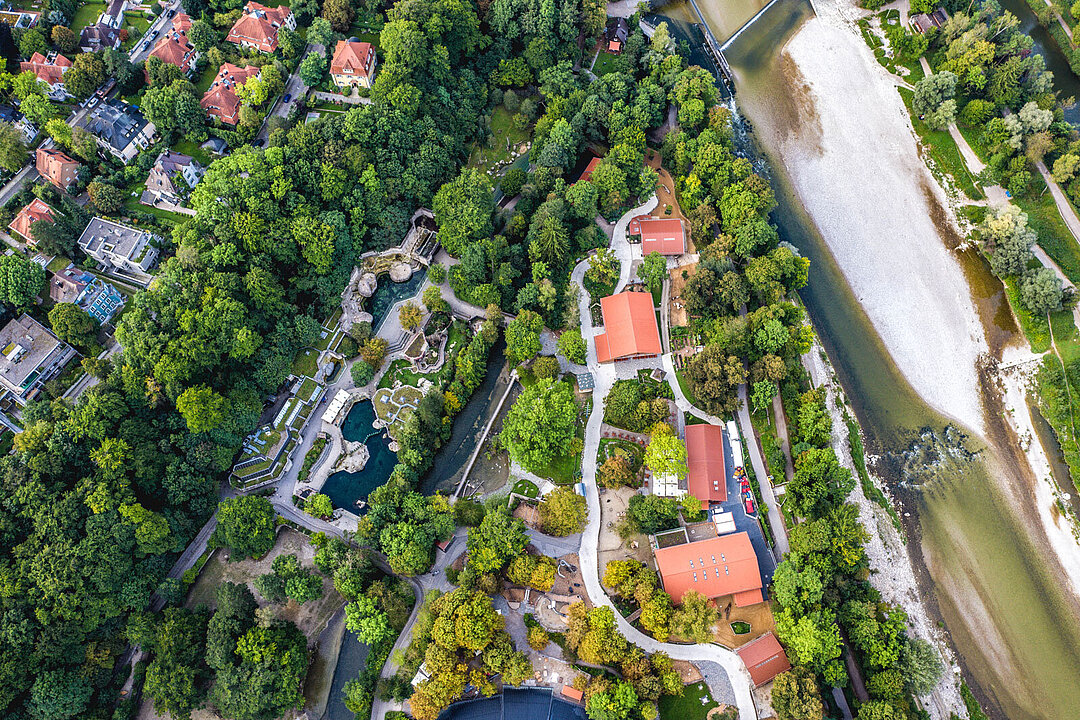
<point>1015,629</point>
<point>345,488</point>
<point>389,292</point>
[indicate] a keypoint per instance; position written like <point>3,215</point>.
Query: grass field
<point>306,363</point>
<point>527,488</point>
<point>193,150</point>
<point>133,205</point>
<point>1054,235</point>
<point>943,151</point>
<point>202,83</point>
<point>495,152</point>
<point>87,14</point>
<point>694,704</point>
<point>605,63</point>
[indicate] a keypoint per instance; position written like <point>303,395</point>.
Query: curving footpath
<point>605,376</point>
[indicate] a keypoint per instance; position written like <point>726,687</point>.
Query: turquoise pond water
<point>345,488</point>
<point>388,292</point>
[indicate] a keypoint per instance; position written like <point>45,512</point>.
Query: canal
<point>986,571</point>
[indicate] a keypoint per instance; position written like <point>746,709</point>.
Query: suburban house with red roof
<point>36,210</point>
<point>49,70</point>
<point>707,477</point>
<point>56,167</point>
<point>586,174</point>
<point>716,567</point>
<point>764,658</point>
<point>221,101</point>
<point>175,49</point>
<point>258,26</point>
<point>630,329</point>
<point>353,64</point>
<point>182,22</point>
<point>666,236</point>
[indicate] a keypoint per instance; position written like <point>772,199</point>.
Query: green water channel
<point>1014,627</point>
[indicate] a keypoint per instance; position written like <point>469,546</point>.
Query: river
<point>986,570</point>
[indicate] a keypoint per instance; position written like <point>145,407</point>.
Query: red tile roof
<point>707,480</point>
<point>36,210</point>
<point>587,174</point>
<point>572,693</point>
<point>666,236</point>
<point>764,658</point>
<point>50,70</point>
<point>56,167</point>
<point>629,327</point>
<point>175,49</point>
<point>220,100</point>
<point>259,25</point>
<point>352,58</point>
<point>725,565</point>
<point>182,22</point>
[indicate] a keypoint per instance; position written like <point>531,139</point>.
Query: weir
<point>714,46</point>
<point>740,31</point>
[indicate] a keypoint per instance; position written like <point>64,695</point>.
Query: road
<point>162,24</point>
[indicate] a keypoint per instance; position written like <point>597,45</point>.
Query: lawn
<point>617,447</point>
<point>133,205</point>
<point>496,151</point>
<point>203,82</point>
<point>87,14</point>
<point>605,63</point>
<point>694,703</point>
<point>192,149</point>
<point>361,34</point>
<point>562,470</point>
<point>138,21</point>
<point>400,369</point>
<point>57,264</point>
<point>1054,235</point>
<point>684,385</point>
<point>1035,327</point>
<point>306,363</point>
<point>943,151</point>
<point>527,488</point>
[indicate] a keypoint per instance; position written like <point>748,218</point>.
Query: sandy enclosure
<point>847,144</point>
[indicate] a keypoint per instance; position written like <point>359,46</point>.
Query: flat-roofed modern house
<point>630,329</point>
<point>98,298</point>
<point>34,211</point>
<point>666,236</point>
<point>125,249</point>
<point>716,567</point>
<point>353,64</point>
<point>120,129</point>
<point>30,356</point>
<point>56,167</point>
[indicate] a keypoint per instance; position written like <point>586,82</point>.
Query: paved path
<point>782,434</point>
<point>737,677</point>
<point>620,243</point>
<point>776,520</point>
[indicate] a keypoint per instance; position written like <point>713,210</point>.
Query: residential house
<point>171,177</point>
<point>221,101</point>
<point>923,22</point>
<point>630,329</point>
<point>120,129</point>
<point>31,356</point>
<point>258,26</point>
<point>50,70</point>
<point>666,236</point>
<point>715,567</point>
<point>114,14</point>
<point>617,35</point>
<point>98,298</point>
<point>353,64</point>
<point>20,122</point>
<point>56,167</point>
<point>99,37</point>
<point>36,210</point>
<point>586,174</point>
<point>126,249</point>
<point>175,48</point>
<point>19,19</point>
<point>181,22</point>
<point>764,659</point>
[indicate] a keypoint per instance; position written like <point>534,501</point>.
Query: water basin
<point>345,488</point>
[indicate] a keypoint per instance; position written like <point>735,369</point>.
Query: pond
<point>389,292</point>
<point>345,488</point>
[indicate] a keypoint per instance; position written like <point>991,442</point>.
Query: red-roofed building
<point>175,49</point>
<point>630,329</point>
<point>716,567</point>
<point>586,176</point>
<point>36,210</point>
<point>56,167</point>
<point>258,27</point>
<point>182,22</point>
<point>764,658</point>
<point>49,70</point>
<point>221,101</point>
<point>571,693</point>
<point>353,64</point>
<point>666,236</point>
<point>707,479</point>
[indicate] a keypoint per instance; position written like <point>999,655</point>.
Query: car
<point>287,98</point>
<point>749,506</point>
<point>258,142</point>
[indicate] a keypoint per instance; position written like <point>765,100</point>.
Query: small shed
<point>764,659</point>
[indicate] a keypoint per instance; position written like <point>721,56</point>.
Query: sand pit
<point>845,139</point>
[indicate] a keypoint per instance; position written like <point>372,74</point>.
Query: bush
<point>513,181</point>
<point>538,638</point>
<point>545,367</point>
<point>362,373</point>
